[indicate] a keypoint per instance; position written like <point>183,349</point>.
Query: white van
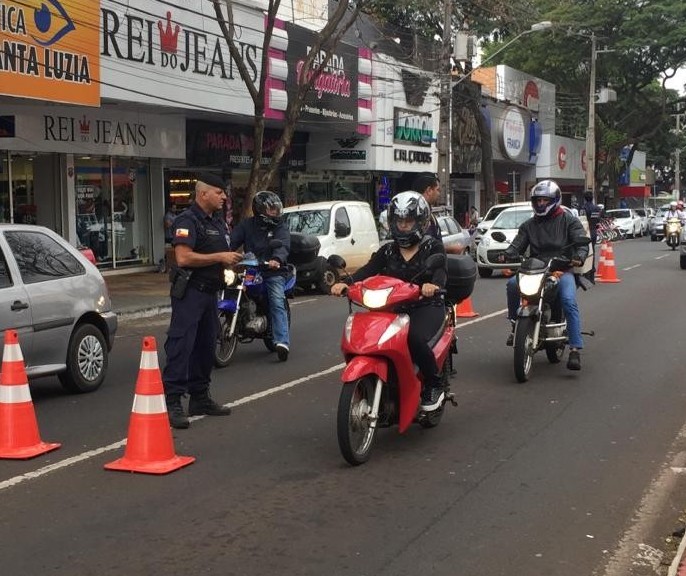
<point>344,227</point>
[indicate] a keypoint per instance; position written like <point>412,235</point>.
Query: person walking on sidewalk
<point>201,250</point>
<point>254,235</point>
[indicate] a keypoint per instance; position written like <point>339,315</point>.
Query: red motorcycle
<point>381,384</point>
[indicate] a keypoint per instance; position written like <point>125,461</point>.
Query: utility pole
<point>590,130</point>
<point>677,163</point>
<point>445,101</point>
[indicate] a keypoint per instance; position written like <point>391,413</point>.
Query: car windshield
<point>309,222</point>
<point>619,213</point>
<point>511,219</point>
<point>492,214</point>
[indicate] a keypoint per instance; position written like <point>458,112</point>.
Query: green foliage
<point>639,41</point>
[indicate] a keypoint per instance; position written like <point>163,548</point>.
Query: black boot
<point>177,417</point>
<point>202,403</point>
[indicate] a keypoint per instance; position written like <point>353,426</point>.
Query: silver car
<point>58,303</point>
<point>453,234</point>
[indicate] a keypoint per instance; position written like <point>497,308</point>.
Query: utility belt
<point>201,286</point>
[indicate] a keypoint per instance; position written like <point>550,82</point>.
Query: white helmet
<point>546,189</point>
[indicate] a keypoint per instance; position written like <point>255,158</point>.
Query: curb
<point>125,316</point>
<point>678,567</point>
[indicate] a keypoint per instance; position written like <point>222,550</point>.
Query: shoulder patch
<point>181,233</point>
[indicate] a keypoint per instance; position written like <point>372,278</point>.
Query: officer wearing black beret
<point>201,251</point>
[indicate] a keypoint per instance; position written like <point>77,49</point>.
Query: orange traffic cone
<point>464,309</point>
<point>600,272</point>
<point>149,447</point>
<point>610,272</point>
<point>19,437</point>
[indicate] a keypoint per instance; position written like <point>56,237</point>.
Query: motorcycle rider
<point>254,235</point>
<point>404,258</point>
<point>551,232</point>
<point>593,213</point>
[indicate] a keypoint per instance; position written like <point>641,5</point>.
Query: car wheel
<point>328,279</point>
<point>87,360</point>
<point>682,261</point>
<point>485,272</point>
<point>653,238</point>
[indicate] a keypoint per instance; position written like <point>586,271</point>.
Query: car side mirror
<point>341,230</point>
<point>336,261</point>
<point>435,261</point>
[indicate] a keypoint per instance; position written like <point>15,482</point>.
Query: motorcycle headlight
<point>375,298</point>
<point>530,284</point>
<point>229,277</point>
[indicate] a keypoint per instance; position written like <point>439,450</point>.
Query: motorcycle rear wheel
<point>523,348</point>
<point>226,345</point>
<point>355,434</point>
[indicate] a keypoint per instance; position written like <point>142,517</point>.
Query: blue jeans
<point>567,295</point>
<point>277,308</point>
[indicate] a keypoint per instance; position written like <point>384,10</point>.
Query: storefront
<point>92,175</point>
<point>564,160</point>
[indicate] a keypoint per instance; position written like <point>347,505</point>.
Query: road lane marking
<point>67,462</point>
<point>661,257</point>
<point>631,267</point>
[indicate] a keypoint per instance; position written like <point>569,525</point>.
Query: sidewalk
<point>139,294</point>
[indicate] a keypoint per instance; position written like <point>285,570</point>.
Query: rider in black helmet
<point>254,235</point>
<point>405,258</point>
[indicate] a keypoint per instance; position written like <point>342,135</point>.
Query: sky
<point>677,83</point>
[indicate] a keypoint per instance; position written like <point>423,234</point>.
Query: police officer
<point>201,251</point>
<point>429,186</point>
<point>593,213</point>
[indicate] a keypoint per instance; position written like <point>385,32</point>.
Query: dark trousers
<point>190,344</point>
<point>424,324</point>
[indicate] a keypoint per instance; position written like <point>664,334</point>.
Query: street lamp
<point>446,91</point>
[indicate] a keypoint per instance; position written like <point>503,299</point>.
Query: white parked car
<point>508,222</point>
<point>627,221</point>
<point>487,221</point>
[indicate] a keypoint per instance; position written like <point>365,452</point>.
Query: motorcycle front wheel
<point>355,433</point>
<point>523,348</point>
<point>226,345</point>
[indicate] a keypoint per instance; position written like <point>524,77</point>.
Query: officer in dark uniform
<point>593,214</point>
<point>428,186</point>
<point>201,251</point>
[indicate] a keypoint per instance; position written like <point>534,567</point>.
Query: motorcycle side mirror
<point>336,261</point>
<point>499,236</point>
<point>435,261</point>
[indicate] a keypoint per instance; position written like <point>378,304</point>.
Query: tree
<point>642,43</point>
<point>340,20</point>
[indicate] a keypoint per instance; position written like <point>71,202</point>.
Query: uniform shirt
<point>434,229</point>
<point>205,235</point>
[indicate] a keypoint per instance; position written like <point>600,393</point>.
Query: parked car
<point>344,227</point>
<point>643,215</point>
<point>58,303</point>
<point>487,221</point>
<point>626,220</point>
<point>452,233</point>
<point>508,222</point>
<point>656,226</point>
